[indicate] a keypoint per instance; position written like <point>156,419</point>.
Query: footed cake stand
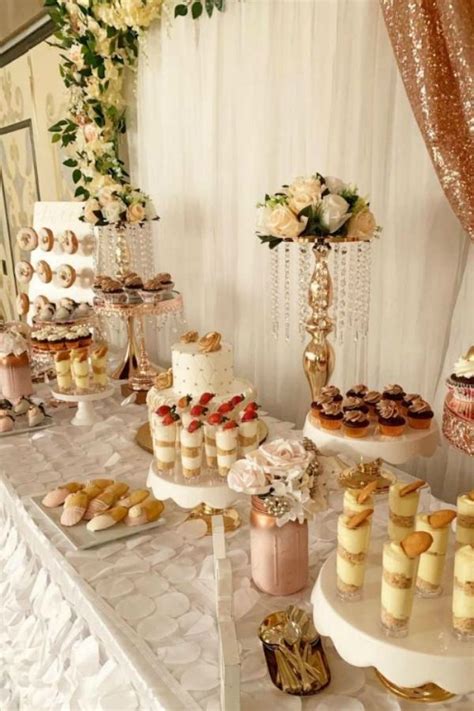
<point>206,495</point>
<point>429,665</point>
<point>85,414</point>
<point>394,450</point>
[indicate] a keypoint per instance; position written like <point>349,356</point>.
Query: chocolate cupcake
<point>355,403</point>
<point>419,414</point>
<point>332,391</point>
<point>371,399</point>
<point>355,424</point>
<point>112,291</point>
<point>407,401</point>
<point>394,393</point>
<point>317,405</point>
<point>357,391</point>
<point>133,283</point>
<point>330,416</point>
<point>391,422</point>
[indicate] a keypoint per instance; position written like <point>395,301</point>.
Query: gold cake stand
<point>426,694</point>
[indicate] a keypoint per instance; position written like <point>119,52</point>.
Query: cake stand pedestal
<point>394,450</point>
<point>206,495</point>
<point>85,415</point>
<point>429,665</point>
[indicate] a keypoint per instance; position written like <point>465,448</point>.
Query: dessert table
<point>131,624</point>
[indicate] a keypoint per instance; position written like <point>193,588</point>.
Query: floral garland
<point>99,40</point>
<point>315,207</point>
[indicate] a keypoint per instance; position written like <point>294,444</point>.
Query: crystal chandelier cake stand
<point>333,298</point>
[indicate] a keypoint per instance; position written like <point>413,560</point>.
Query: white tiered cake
<point>199,366</point>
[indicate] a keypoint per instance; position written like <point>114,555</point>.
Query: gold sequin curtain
<point>433,41</point>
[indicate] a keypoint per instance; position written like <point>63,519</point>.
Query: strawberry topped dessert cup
<point>191,449</point>
<point>210,428</point>
<point>164,437</point>
<point>227,439</point>
<point>248,429</point>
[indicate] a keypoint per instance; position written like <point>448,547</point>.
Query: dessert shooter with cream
<point>248,429</point>
<point>227,440</point>
<point>191,449</point>
<point>431,566</point>
<point>353,537</point>
<point>164,432</point>
<point>62,365</point>
<point>463,593</point>
<point>399,564</point>
<point>465,520</point>
<point>357,500</point>
<point>403,500</point>
<point>99,366</point>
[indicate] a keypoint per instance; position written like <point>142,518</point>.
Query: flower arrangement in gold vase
<point>327,214</point>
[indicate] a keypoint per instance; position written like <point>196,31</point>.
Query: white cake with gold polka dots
<point>199,366</point>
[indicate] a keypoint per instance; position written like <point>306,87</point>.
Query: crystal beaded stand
<point>125,247</point>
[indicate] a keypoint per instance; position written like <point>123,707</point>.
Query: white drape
<point>231,108</point>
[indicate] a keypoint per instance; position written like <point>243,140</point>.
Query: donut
<point>27,239</point>
<point>47,312</point>
<point>68,242</point>
<point>66,275</point>
<point>39,303</point>
<point>24,271</point>
<point>46,239</point>
<point>22,304</point>
<point>44,272</point>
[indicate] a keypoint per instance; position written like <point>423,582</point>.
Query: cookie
<point>46,239</point>
<point>27,239</point>
<point>44,272</point>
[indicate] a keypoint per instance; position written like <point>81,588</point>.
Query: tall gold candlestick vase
<point>318,356</point>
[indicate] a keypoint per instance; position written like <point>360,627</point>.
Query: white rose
<point>106,194</point>
<point>90,207</point>
<point>335,185</point>
<point>361,225</point>
<point>285,454</point>
<point>282,222</point>
<point>91,132</point>
<point>76,56</point>
<point>303,192</point>
<point>150,211</point>
<point>135,212</point>
<point>247,477</point>
<point>113,210</point>
<point>334,212</point>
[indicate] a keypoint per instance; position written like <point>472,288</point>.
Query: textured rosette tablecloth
<point>131,625</point>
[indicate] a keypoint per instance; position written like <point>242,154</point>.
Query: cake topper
<point>470,354</point>
<point>189,337</point>
<point>210,342</point>
<point>163,381</point>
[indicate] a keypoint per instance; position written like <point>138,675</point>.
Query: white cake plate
<point>429,655</point>
<point>85,414</point>
<point>395,450</point>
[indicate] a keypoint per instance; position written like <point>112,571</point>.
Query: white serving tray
<point>82,539</point>
<point>395,450</point>
<point>430,652</point>
<point>48,422</point>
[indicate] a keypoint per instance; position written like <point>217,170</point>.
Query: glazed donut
<point>46,239</point>
<point>27,239</point>
<point>39,303</point>
<point>68,242</point>
<point>22,304</point>
<point>44,272</point>
<point>66,275</point>
<point>24,271</point>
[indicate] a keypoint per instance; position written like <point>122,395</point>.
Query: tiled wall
<point>32,97</point>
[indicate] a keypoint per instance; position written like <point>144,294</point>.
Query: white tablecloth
<point>131,625</point>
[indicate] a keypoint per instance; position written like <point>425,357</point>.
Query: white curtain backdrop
<point>231,108</point>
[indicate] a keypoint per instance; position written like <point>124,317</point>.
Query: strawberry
<point>168,419</point>
<point>198,410</point>
<point>252,406</point>
<point>194,425</point>
<point>237,399</point>
<point>215,419</point>
<point>206,398</point>
<point>249,415</point>
<point>163,410</point>
<point>225,407</point>
<point>230,424</point>
<point>184,401</point>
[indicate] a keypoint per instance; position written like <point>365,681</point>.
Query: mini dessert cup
<point>330,417</point>
<point>465,519</point>
<point>80,371</point>
<point>403,500</point>
<point>419,415</point>
<point>355,424</point>
<point>463,593</point>
<point>397,594</point>
<point>353,537</point>
<point>99,366</point>
<point>210,447</point>
<point>431,566</point>
<point>357,500</point>
<point>227,440</point>
<point>248,434</point>
<point>62,364</point>
<point>191,449</point>
<point>164,443</point>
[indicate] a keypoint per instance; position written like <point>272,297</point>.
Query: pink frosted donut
<point>44,272</point>
<point>46,239</point>
<point>27,239</point>
<point>24,271</point>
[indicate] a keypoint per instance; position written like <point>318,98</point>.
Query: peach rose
<point>361,225</point>
<point>135,212</point>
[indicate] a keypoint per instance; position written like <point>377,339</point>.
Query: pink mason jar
<point>279,555</point>
<point>15,371</point>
